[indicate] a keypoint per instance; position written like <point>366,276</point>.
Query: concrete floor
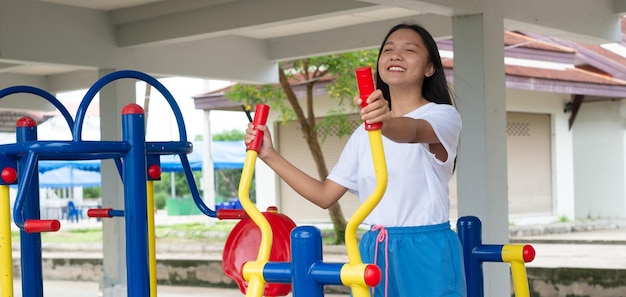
<point>90,289</point>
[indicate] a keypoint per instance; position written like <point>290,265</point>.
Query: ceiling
<point>103,4</point>
<point>61,45</point>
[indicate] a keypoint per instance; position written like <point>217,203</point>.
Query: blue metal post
<point>469,230</point>
<point>30,243</point>
<point>306,248</point>
<point>135,201</point>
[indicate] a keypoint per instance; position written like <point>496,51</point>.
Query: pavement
<point>579,250</point>
<point>90,289</point>
<point>55,288</point>
<point>597,244</point>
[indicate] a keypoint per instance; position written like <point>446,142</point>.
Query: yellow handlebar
<point>380,166</point>
<point>516,255</point>
<point>253,271</point>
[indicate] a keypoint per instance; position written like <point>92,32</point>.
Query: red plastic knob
<point>154,171</point>
<point>9,175</point>
<point>528,253</point>
<point>372,275</point>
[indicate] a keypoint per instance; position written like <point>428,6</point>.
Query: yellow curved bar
<point>151,239</point>
<point>514,254</point>
<point>359,289</point>
<point>256,282</point>
<point>6,257</point>
<point>378,155</point>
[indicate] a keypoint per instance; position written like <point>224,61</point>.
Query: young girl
<point>410,237</point>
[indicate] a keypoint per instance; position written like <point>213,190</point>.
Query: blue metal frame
<point>130,156</point>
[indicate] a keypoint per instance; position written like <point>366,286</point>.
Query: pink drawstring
<point>382,236</point>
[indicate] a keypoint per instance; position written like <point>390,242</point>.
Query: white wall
<point>562,143</point>
<point>585,182</point>
<point>599,160</point>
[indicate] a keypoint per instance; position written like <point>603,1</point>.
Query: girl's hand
<point>267,147</point>
<point>377,109</point>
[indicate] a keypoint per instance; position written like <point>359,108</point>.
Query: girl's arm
<point>398,129</point>
<point>321,193</point>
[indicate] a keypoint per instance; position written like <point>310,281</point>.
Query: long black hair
<point>435,88</point>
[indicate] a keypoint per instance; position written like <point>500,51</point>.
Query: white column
<point>113,98</point>
<point>208,170</point>
<point>563,162</point>
<point>479,85</point>
<point>267,181</point>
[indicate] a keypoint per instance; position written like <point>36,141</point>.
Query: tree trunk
<point>310,134</point>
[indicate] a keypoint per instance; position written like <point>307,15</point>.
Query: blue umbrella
<point>68,177</point>
<point>225,155</point>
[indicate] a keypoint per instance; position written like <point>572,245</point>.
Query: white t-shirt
<point>417,188</point>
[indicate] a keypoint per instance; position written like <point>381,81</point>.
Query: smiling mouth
<point>396,69</point>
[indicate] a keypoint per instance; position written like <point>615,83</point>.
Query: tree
<point>232,135</point>
<point>308,72</point>
<point>181,185</point>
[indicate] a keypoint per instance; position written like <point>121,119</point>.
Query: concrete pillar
<point>113,98</point>
<point>479,85</point>
<point>208,169</point>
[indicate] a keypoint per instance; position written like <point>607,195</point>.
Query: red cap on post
<point>528,253</point>
<point>365,83</point>
<point>9,175</point>
<point>260,118</point>
<point>26,122</point>
<point>372,275</point>
<point>154,171</point>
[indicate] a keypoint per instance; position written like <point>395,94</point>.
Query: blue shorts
<point>424,261</point>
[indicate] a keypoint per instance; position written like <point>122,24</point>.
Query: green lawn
<point>189,231</point>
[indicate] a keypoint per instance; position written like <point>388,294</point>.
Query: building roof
<point>581,69</point>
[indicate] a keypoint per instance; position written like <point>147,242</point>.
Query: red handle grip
<point>231,214</point>
<point>99,212</point>
<point>37,226</point>
<point>260,118</point>
<point>365,83</point>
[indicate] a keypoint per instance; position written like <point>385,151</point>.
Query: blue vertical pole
<point>306,250</point>
<point>469,230</point>
<point>135,201</point>
<point>30,243</point>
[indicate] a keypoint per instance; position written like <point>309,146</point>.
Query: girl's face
<point>404,59</point>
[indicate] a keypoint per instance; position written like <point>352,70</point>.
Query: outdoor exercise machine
<point>306,272</point>
<point>469,230</point>
<point>137,164</point>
